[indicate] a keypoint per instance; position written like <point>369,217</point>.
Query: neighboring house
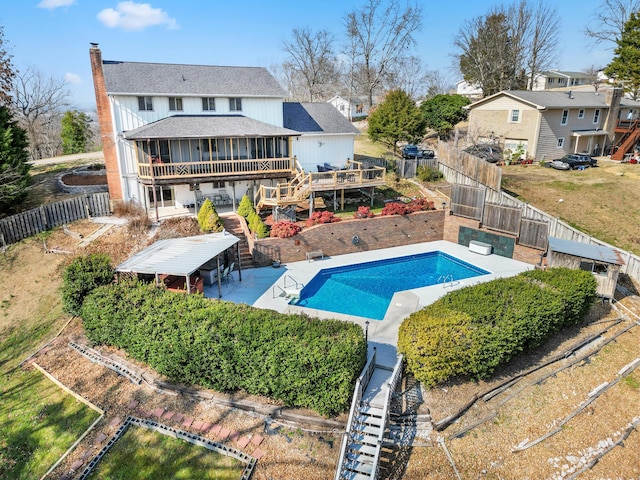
<point>471,91</point>
<point>554,79</point>
<point>551,124</point>
<point>352,110</point>
<point>174,134</point>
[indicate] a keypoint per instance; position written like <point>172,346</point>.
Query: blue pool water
<point>366,289</point>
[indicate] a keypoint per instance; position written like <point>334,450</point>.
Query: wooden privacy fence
<point>467,201</point>
<point>462,168</point>
<point>29,223</point>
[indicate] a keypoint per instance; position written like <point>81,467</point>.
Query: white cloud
<point>51,4</point>
<point>72,78</point>
<point>135,16</point>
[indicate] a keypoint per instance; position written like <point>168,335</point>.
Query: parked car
<point>427,153</point>
<point>574,160</point>
<point>411,151</point>
<point>491,153</point>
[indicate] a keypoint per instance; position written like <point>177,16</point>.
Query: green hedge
<point>471,331</point>
<point>81,276</point>
<point>301,361</point>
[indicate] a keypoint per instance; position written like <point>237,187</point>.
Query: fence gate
<point>467,201</point>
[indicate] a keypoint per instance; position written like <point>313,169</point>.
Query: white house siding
<point>316,149</point>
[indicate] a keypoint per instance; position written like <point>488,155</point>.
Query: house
<point>353,110</point>
<point>469,90</point>
<point>175,134</point>
<point>551,124</point>
<point>554,79</point>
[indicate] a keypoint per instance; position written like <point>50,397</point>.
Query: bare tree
<point>39,103</point>
<point>437,84</point>
<point>408,74</point>
<point>312,62</point>
<point>500,49</point>
<point>378,35</point>
<point>609,19</point>
<point>542,41</point>
<point>593,73</point>
<point>7,72</point>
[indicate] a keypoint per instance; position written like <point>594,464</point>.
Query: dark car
<point>491,153</point>
<point>427,153</point>
<point>411,151</point>
<point>573,161</point>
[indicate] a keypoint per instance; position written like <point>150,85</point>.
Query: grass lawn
<point>38,421</point>
<point>142,453</point>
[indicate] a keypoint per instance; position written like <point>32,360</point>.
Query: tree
<point>625,66</point>
<point>396,119</point>
<point>7,72</point>
<point>208,218</point>
<point>312,62</point>
<point>378,35</point>
<point>500,49</point>
<point>443,112</point>
<point>39,102</point>
<point>609,20</point>
<point>408,74</point>
<point>593,73</point>
<point>14,169</point>
<point>76,132</point>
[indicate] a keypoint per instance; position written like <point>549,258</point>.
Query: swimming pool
<point>366,289</point>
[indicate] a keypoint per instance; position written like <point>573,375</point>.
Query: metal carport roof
<point>599,253</point>
<point>178,256</point>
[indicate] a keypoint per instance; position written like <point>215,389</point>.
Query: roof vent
<point>570,95</point>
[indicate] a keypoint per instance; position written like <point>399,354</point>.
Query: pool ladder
<point>444,278</point>
<point>290,290</point>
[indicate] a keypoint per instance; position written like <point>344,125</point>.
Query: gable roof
<point>207,126</point>
<point>138,78</point>
<point>563,73</point>
<point>316,117</point>
<point>556,99</point>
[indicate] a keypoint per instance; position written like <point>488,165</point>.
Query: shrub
<point>83,275</point>
<point>471,331</point>
<point>245,207</point>
<point>208,218</point>
<point>363,212</point>
<point>419,204</point>
<point>301,361</point>
<point>427,174</point>
<point>321,217</point>
<point>394,208</point>
<point>256,225</point>
<point>285,229</point>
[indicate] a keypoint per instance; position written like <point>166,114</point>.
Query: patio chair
<point>227,273</point>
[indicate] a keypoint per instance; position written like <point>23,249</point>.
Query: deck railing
<point>215,168</point>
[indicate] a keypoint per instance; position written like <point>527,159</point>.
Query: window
<point>565,117</point>
<point>175,103</point>
<point>581,113</point>
<point>515,116</point>
<point>209,104</point>
<point>235,104</point>
<point>561,142</point>
<point>596,116</point>
<point>145,103</point>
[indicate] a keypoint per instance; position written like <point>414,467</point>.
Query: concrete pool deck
<point>265,288</point>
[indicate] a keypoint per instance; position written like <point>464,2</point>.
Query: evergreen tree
<point>443,112</point>
<point>76,132</point>
<point>625,66</point>
<point>208,218</point>
<point>396,119</point>
<point>14,169</point>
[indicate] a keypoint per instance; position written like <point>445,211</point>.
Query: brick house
<point>174,134</point>
<point>550,124</point>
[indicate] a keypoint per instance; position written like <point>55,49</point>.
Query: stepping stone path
<point>233,436</point>
<point>101,438</point>
<point>224,433</point>
<point>76,465</point>
<point>243,442</point>
<point>257,440</point>
<point>157,412</point>
<point>197,425</point>
<point>115,422</point>
<point>85,455</point>
<point>168,415</point>
<point>216,429</point>
<point>178,418</point>
<point>187,422</point>
<point>206,427</point>
<point>133,404</point>
<point>258,453</point>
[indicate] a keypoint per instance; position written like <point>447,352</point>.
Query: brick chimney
<point>612,98</point>
<point>106,125</point>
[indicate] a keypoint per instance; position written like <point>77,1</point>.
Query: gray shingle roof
<point>315,117</point>
<point>137,78</point>
<point>560,99</point>
<point>207,126</point>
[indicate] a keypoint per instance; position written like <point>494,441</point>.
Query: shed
<point>182,257</point>
<point>604,262</point>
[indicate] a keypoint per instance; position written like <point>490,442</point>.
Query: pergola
<point>181,257</point>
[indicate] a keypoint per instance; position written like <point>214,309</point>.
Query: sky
<point>53,36</point>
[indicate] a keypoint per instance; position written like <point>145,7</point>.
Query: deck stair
<point>368,420</point>
<point>232,225</point>
<point>631,134</point>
